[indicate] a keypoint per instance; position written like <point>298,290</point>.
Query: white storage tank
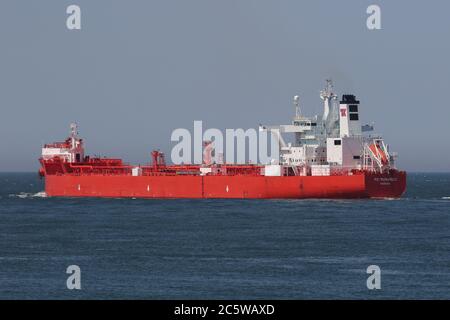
<point>273,170</point>
<point>320,170</point>
<point>136,171</point>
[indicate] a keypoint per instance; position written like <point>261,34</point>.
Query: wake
<point>25,195</point>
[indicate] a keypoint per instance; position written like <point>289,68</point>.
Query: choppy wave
<point>24,195</point>
<point>445,198</point>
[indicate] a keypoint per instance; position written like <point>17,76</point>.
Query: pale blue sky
<point>139,69</point>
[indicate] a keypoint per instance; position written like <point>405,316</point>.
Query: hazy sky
<point>139,69</point>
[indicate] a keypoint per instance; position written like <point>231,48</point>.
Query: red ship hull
<point>361,185</point>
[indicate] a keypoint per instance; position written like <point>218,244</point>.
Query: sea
<point>224,249</point>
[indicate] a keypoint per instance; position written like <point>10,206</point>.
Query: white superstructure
<point>71,150</point>
<point>334,142</point>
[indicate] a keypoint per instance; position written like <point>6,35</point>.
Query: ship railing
<point>59,145</point>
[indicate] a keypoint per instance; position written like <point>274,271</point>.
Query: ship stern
<point>390,184</point>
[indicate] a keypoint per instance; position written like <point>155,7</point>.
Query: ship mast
<point>327,95</point>
<point>296,102</point>
<point>73,134</point>
<point>330,116</point>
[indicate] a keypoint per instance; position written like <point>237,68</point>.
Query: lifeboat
<point>379,152</point>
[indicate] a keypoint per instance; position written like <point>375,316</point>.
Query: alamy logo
<point>74,280</point>
<point>241,146</point>
<point>374,280</point>
<point>73,21</point>
<point>374,20</point>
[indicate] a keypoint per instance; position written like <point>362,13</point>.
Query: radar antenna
<point>328,91</point>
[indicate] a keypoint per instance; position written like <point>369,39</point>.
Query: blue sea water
<point>231,249</point>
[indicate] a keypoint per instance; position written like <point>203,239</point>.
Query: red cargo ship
<point>332,157</point>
